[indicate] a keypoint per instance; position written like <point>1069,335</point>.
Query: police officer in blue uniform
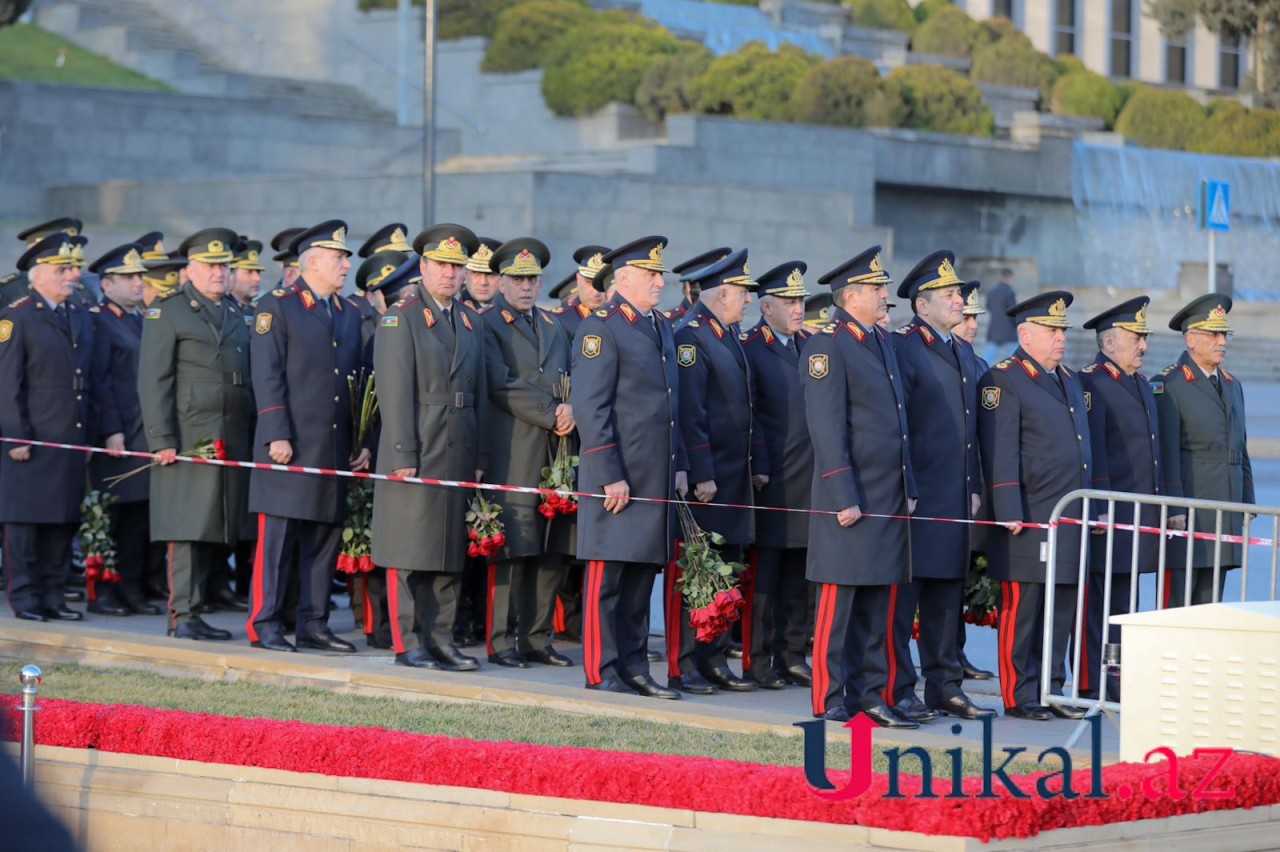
<point>690,290</point>
<point>716,426</point>
<point>284,256</point>
<point>625,394</point>
<point>940,379</point>
<point>585,298</point>
<point>46,344</point>
<point>1123,427</point>
<point>117,425</point>
<point>1033,427</point>
<point>773,640</point>
<point>855,410</point>
<point>14,286</point>
<point>305,347</point>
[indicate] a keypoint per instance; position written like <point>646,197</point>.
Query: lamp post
<point>429,115</point>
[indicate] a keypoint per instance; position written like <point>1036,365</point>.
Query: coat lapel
<point>1197,379</point>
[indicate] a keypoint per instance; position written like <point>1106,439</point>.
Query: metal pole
<point>402,63</point>
<point>429,115</point>
<point>1213,263</point>
<point>30,677</point>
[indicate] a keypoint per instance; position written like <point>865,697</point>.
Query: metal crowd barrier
<point>1092,534</point>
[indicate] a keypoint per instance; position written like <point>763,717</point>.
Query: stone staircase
<point>135,34</point>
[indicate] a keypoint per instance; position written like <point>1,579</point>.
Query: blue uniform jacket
<point>113,397</point>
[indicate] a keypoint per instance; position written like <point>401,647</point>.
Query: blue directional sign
<point>1215,205</point>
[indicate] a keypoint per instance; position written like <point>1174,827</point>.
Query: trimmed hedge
<point>949,32</point>
<point>755,82</point>
<point>1010,62</point>
<point>847,91</point>
<point>600,60</point>
<point>1083,93</point>
<point>667,84</point>
<point>883,14</point>
<point>1159,118</point>
<point>939,99</point>
<point>524,31</point>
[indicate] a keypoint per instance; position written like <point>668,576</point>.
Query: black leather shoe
<point>62,612</point>
<point>692,683</point>
<point>158,593</point>
<point>655,656</point>
<point>766,679</point>
<point>273,642</point>
<point>416,659</point>
<point>1068,712</point>
<point>839,713</point>
<point>464,638</point>
<point>31,615</point>
<point>722,677</point>
<point>648,687</point>
<point>884,716</point>
<point>107,606</point>
<point>800,673</point>
<point>961,707</point>
<point>138,605</point>
<point>453,660</point>
<point>548,656</point>
<point>508,658</point>
<point>1031,710</point>
<point>733,650</point>
<point>324,640</point>
<point>610,684</point>
<point>972,672</point>
<point>228,601</point>
<point>914,709</point>
<point>205,630</point>
<point>373,640</point>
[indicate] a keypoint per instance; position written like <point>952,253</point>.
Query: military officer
<point>375,269</point>
<point>773,640</point>
<point>1203,446</point>
<point>46,344</point>
<point>14,286</point>
<point>689,290</point>
<point>1123,426</point>
<point>585,297</point>
<point>288,260</point>
<point>527,356</point>
<point>967,331</point>
<point>625,400</point>
<point>940,379</point>
<point>162,276</point>
<point>246,274</point>
<point>1034,431</point>
<point>117,425</point>
<point>429,359</point>
<point>854,407</point>
<point>817,311</point>
<point>195,387</point>
<point>393,237</point>
<point>305,347</point>
<point>482,281</point>
<point>715,424</point>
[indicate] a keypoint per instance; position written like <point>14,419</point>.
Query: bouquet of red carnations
<point>709,584</point>
<point>484,529</point>
<point>562,476</point>
<point>209,448</point>
<point>96,542</point>
<point>981,595</point>
<point>357,528</point>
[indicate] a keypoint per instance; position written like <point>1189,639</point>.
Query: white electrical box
<point>1200,677</point>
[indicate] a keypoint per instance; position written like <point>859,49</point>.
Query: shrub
<point>1003,29</point>
<point>1010,62</point>
<point>1158,118</point>
<point>601,60</point>
<point>666,86</point>
<point>462,18</point>
<point>935,98</point>
<point>523,32</point>
<point>1068,64</point>
<point>927,8</point>
<point>846,91</point>
<point>1234,131</point>
<point>882,14</point>
<point>949,32</point>
<point>1084,93</point>
<point>754,82</point>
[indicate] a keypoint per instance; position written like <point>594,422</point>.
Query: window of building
<point>1064,32</point>
<point>1175,62</point>
<point>1002,9</point>
<point>1229,59</point>
<point>1122,38</point>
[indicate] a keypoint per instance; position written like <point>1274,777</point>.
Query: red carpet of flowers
<point>701,784</point>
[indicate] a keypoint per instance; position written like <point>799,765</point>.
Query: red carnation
<point>499,540</point>
<point>220,450</point>
<point>365,564</point>
<point>473,550</point>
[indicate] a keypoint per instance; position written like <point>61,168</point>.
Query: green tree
<point>1236,131</point>
<point>1083,93</point>
<point>1068,64</point>
<point>949,32</point>
<point>601,60</point>
<point>524,31</point>
<point>457,18</point>
<point>666,86</point>
<point>927,8</point>
<point>754,82</point>
<point>883,14</point>
<point>1003,29</point>
<point>1010,62</point>
<point>935,98</point>
<point>846,91</point>
<point>1257,21</point>
<point>1160,118</point>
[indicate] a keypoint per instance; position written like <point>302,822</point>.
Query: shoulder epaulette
<point>97,309</point>
<point>1167,370</point>
<point>830,328</point>
<point>1091,369</point>
<point>1003,365</point>
<point>560,310</point>
<point>603,312</point>
<point>7,278</point>
<point>904,330</point>
<point>162,297</point>
<point>692,324</point>
<point>278,292</point>
<point>407,299</point>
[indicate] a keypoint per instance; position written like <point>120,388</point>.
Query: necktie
<point>791,344</point>
<point>64,316</point>
<point>448,316</point>
<point>1057,377</point>
<point>1217,383</point>
<point>328,312</point>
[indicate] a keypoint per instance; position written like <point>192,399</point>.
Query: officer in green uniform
<point>193,380</point>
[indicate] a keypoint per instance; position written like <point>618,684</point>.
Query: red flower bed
<point>697,783</point>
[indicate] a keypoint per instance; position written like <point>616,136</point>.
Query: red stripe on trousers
<point>557,620</point>
<point>749,611</point>
<point>1085,665</point>
<point>675,612</point>
<point>489,595</point>
<point>369,624</point>
<point>821,642</point>
<point>393,609</point>
<point>255,587</point>
<point>591,622</point>
<point>890,648</point>
<point>1010,601</point>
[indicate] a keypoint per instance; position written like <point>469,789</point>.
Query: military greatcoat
<point>195,386</point>
<point>433,398</point>
<point>525,363</point>
<point>1205,453</point>
<point>116,407</point>
<point>45,381</point>
<point>855,408</point>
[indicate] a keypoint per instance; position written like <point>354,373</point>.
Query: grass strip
<point>30,53</point>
